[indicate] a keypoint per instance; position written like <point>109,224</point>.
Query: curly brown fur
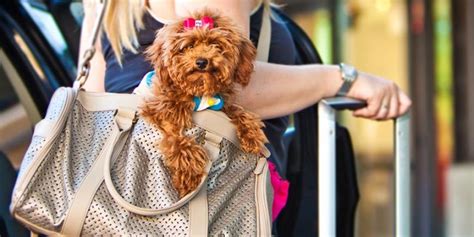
<point>230,57</point>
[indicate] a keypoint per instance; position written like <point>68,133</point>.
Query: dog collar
<point>215,102</point>
<point>144,88</point>
<point>149,77</point>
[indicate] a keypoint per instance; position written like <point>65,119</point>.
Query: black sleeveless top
<point>134,66</point>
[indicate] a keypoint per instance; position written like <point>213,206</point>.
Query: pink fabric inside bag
<point>280,190</point>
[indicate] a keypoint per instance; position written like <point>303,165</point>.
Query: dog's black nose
<point>201,63</point>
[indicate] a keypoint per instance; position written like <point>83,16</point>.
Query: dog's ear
<point>247,58</point>
<point>156,54</point>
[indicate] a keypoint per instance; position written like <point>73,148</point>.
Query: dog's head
<point>202,55</point>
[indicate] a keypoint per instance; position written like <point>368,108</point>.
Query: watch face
<point>349,73</point>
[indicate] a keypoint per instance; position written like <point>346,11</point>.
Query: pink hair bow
<point>191,23</point>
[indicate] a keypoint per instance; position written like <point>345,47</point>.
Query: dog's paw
<point>186,162</point>
<point>252,142</point>
<point>249,130</point>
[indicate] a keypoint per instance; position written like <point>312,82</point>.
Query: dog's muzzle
<point>202,63</point>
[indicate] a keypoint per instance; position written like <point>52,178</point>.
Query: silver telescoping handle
<point>327,167</point>
<point>402,176</point>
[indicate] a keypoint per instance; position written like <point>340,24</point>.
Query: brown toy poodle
<point>200,57</point>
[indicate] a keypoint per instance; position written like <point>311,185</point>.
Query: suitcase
<point>327,167</point>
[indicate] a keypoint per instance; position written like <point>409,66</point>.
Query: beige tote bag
<point>92,169</point>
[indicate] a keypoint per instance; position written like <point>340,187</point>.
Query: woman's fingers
<point>404,103</point>
<point>383,109</point>
<point>394,105</point>
<point>370,111</point>
<point>393,102</point>
<point>384,98</point>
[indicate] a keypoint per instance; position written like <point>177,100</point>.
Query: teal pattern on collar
<point>149,77</point>
<point>215,102</point>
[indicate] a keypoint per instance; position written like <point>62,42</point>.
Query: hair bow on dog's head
<point>191,23</point>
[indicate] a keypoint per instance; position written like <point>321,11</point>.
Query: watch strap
<point>346,85</point>
<point>348,74</point>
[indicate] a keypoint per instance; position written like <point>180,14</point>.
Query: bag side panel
<point>45,130</point>
<point>231,193</point>
<point>50,191</point>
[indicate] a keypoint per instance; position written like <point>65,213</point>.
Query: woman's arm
<point>277,90</point>
<point>95,82</point>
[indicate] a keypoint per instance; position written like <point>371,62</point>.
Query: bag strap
<point>85,65</point>
<point>75,217</point>
<point>212,146</point>
<point>264,38</point>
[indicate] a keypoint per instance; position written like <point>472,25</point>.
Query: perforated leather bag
<point>93,168</point>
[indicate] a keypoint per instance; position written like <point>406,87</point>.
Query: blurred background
<point>425,46</point>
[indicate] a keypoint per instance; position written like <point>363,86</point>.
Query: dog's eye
<point>186,48</point>
<point>216,46</point>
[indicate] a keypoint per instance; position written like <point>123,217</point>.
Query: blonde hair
<point>121,21</point>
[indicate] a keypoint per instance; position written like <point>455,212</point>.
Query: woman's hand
<point>384,98</point>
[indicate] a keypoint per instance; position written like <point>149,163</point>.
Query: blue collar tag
<point>215,102</point>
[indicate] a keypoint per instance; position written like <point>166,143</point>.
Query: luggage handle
<point>342,103</point>
<point>327,166</point>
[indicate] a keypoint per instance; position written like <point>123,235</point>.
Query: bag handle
<point>85,65</point>
<point>211,144</point>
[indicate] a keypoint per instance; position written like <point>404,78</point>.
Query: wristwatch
<point>348,74</point>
